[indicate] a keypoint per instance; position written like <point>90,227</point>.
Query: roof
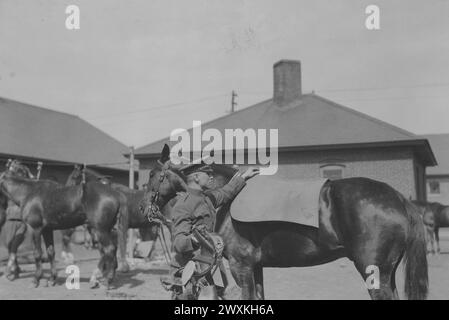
<point>309,121</point>
<point>33,132</point>
<point>440,145</point>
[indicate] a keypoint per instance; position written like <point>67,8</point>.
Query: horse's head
<point>18,169</point>
<point>80,174</point>
<point>75,177</point>
<point>164,181</point>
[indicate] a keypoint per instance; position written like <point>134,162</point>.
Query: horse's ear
<point>165,154</point>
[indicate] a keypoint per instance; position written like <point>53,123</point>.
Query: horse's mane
<point>88,171</point>
<point>29,181</point>
<point>93,173</point>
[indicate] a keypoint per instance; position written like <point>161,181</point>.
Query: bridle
<point>155,215</point>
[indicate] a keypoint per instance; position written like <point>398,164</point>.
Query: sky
<point>138,69</point>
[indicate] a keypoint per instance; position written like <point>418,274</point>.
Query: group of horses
<point>364,220</point>
<point>108,210</point>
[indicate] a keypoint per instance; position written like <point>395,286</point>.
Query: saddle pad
<point>266,198</point>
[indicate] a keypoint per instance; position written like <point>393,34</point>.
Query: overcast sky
<point>138,69</point>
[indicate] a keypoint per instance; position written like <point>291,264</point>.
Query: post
<point>131,167</point>
<point>131,234</point>
<point>233,103</point>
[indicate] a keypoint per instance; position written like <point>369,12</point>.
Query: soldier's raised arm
<point>229,191</point>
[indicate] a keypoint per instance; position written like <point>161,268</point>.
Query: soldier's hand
<point>251,172</point>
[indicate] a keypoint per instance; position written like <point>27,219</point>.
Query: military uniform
<point>195,208</point>
<point>14,228</point>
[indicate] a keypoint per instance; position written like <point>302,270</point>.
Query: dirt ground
<point>336,280</point>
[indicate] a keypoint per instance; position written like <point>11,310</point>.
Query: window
<point>332,171</point>
<point>434,187</point>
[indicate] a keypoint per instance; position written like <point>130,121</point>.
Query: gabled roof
<point>33,132</point>
<point>440,146</point>
<point>309,121</point>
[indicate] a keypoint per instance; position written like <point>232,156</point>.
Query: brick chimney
<point>287,81</point>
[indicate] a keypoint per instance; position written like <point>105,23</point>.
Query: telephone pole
<point>131,234</point>
<point>233,103</point>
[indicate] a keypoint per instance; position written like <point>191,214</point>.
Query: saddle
<point>267,198</point>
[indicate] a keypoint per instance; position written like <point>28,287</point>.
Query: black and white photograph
<point>224,150</point>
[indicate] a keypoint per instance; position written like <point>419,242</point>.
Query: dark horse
<point>135,218</point>
<point>362,219</point>
<point>48,206</point>
<point>436,216</point>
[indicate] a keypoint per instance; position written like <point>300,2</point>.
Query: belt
<point>14,219</point>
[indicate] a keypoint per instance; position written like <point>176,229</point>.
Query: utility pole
<point>233,103</point>
<point>131,234</point>
<point>131,167</point>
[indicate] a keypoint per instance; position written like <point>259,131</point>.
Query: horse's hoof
<point>35,283</point>
<point>94,284</point>
<point>51,282</point>
<point>11,276</point>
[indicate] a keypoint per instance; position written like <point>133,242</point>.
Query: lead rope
<point>164,244</point>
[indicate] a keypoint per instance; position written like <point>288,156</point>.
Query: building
<point>59,140</point>
<point>320,138</point>
<point>438,176</point>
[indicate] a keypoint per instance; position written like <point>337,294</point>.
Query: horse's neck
<point>16,189</point>
<point>73,193</point>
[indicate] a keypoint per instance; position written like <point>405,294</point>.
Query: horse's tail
<point>122,229</point>
<point>415,259</point>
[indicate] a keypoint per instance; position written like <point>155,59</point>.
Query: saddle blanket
<point>266,198</point>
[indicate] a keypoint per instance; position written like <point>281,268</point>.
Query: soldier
<point>196,208</point>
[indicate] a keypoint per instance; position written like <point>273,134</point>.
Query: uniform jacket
<point>196,207</point>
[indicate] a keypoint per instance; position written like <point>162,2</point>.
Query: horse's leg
<point>66,253</point>
<point>18,230</point>
<point>122,230</point>
<point>432,239</point>
<point>94,282</point>
<point>49,244</point>
<point>437,238</point>
<point>2,217</point>
<point>377,263</point>
<point>108,261</point>
<point>37,255</point>
<point>258,279</point>
<point>244,277</point>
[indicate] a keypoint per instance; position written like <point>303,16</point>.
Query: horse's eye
<point>151,174</point>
